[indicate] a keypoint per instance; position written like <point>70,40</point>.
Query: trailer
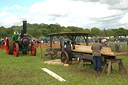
<point>81,53</point>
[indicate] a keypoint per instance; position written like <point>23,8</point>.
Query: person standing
<point>15,36</point>
<point>117,45</point>
<point>100,40</point>
<point>96,51</point>
<point>93,39</point>
<point>68,48</point>
<point>106,44</point>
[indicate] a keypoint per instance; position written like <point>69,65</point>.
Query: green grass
<point>26,70</point>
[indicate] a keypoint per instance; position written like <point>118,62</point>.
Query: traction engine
<point>20,43</point>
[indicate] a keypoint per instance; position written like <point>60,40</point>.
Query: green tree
<point>87,30</point>
<point>3,32</point>
<point>121,32</point>
<point>75,29</point>
<point>34,32</point>
<point>95,31</point>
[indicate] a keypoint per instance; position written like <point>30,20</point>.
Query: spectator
<point>117,45</point>
<point>106,44</point>
<point>96,48</point>
<point>100,40</point>
<point>93,39</point>
<point>77,42</point>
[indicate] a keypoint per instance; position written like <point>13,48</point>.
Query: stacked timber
<point>87,49</point>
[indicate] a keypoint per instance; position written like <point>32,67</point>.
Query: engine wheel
<point>64,57</point>
<point>9,46</point>
<point>33,49</point>
<point>16,50</point>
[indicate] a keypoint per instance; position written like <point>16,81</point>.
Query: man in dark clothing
<point>68,48</point>
<point>100,40</point>
<point>96,48</point>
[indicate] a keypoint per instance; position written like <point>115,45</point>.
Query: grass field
<point>26,70</point>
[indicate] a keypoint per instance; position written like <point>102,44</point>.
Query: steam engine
<point>20,42</point>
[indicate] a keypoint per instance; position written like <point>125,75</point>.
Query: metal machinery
<point>61,50</point>
<point>20,42</point>
<point>83,53</point>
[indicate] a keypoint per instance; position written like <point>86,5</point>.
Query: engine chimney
<point>24,28</point>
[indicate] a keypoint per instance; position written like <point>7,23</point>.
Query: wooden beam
<point>69,37</point>
<point>86,40</point>
<point>62,43</point>
<point>53,74</point>
<point>51,38</point>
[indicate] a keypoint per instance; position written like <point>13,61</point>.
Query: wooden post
<point>87,40</point>
<point>81,63</point>
<point>109,64</point>
<point>50,42</point>
<point>109,67</point>
<point>41,48</point>
<point>73,41</point>
<point>123,66</point>
<point>62,43</point>
<point>104,69</point>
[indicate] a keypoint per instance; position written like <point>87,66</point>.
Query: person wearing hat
<point>106,44</point>
<point>96,51</point>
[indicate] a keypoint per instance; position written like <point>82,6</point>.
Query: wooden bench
<point>108,65</point>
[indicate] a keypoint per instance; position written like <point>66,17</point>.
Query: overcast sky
<point>80,13</point>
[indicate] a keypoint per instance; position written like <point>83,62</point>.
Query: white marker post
<point>53,74</point>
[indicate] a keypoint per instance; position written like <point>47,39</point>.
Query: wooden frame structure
<point>71,35</point>
<point>83,52</point>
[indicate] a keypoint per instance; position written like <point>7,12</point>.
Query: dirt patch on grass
<point>47,45</point>
<point>2,47</point>
<point>56,61</point>
<point>44,45</point>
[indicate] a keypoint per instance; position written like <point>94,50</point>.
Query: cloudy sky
<point>81,13</point>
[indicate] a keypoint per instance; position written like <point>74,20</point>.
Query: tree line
<point>42,30</point>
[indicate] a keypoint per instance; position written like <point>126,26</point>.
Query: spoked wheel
<point>33,49</point>
<point>16,50</point>
<point>64,57</point>
<point>9,46</point>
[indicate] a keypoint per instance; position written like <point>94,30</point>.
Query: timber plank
<point>104,51</point>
